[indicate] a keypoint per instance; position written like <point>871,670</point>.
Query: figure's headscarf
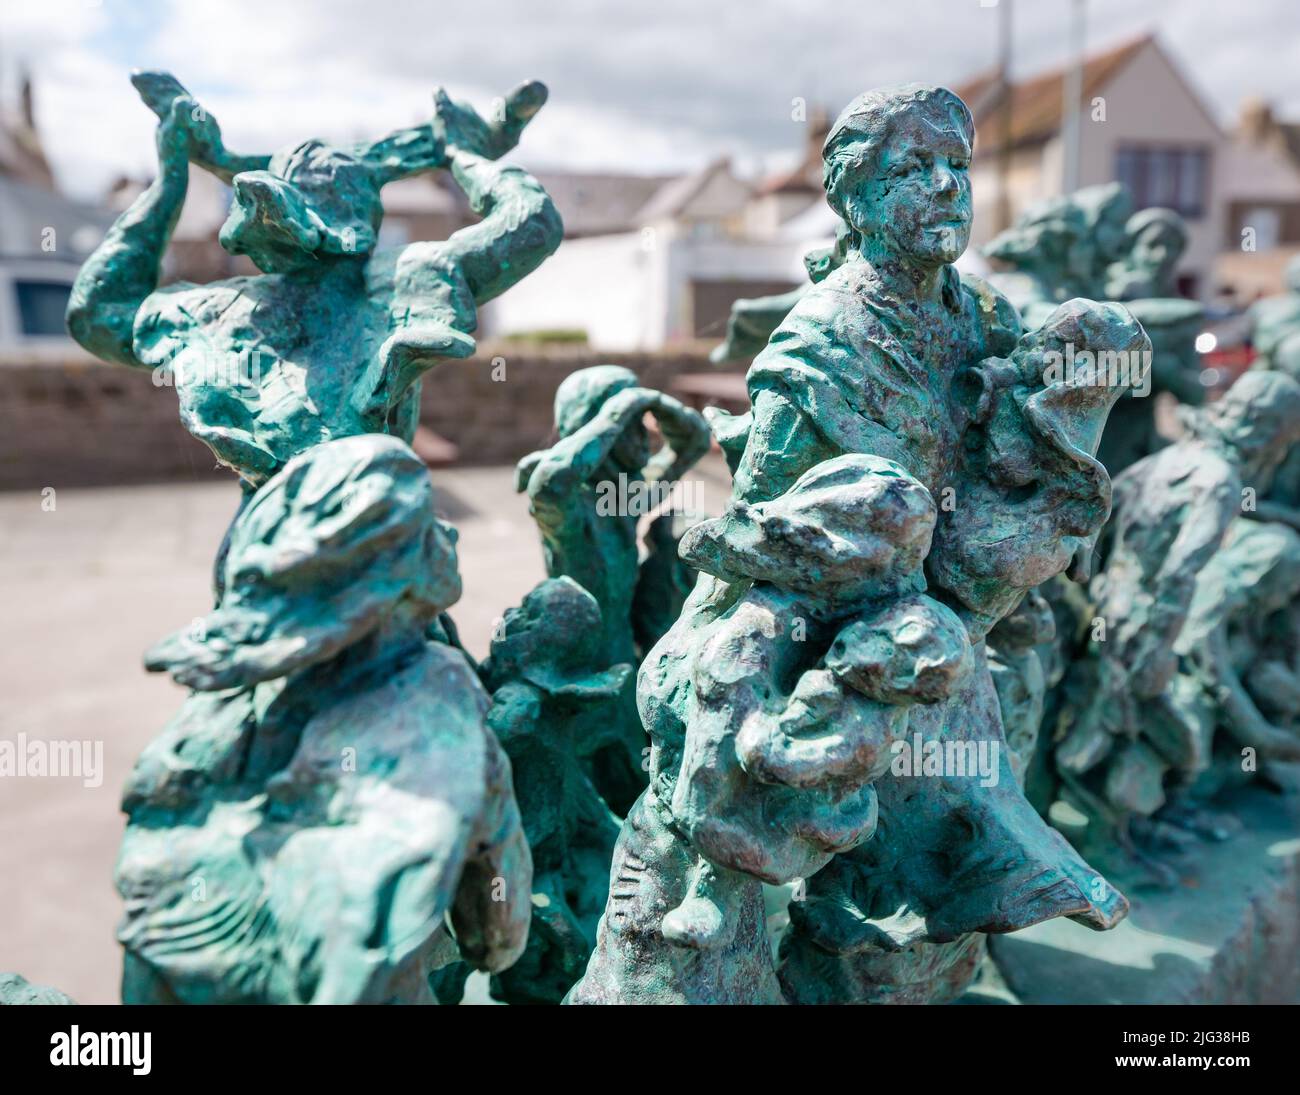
<point>583,393</point>
<point>325,551</point>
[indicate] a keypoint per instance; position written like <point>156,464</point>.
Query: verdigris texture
<point>1275,325</point>
<point>886,923</point>
<point>588,493</point>
<point>551,694</point>
<point>1060,248</point>
<point>1091,244</point>
<point>1187,631</point>
<point>562,663</point>
<point>330,793</point>
<point>331,340</point>
<point>15,989</point>
<point>329,817</point>
<point>772,705</point>
<point>907,473</point>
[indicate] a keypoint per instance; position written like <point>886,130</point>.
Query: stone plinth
<point>1229,934</point>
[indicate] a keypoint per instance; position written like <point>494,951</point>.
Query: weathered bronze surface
<point>908,472</point>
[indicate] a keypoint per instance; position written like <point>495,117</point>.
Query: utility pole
<point>1002,214</point>
<point>1070,106</point>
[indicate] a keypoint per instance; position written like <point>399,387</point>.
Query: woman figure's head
<point>342,541</point>
<point>1156,240</point>
<point>311,202</point>
<point>579,399</point>
<point>896,170</point>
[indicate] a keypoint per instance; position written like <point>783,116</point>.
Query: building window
<point>1267,223</point>
<point>41,306</point>
<point>1170,176</point>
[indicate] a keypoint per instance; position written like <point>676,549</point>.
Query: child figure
<point>801,661</point>
<point>1028,494</point>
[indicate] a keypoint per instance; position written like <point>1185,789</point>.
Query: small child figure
<point>1029,472</point>
<point>802,659</point>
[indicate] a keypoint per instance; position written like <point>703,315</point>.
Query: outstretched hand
<point>462,128</point>
<point>165,96</point>
<point>686,438</point>
<point>188,123</point>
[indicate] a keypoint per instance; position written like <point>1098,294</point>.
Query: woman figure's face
<point>918,206</point>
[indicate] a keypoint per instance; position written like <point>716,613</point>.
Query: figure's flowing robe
<point>855,369</point>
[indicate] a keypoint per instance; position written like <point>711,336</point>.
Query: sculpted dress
<point>854,368</point>
<point>858,369</point>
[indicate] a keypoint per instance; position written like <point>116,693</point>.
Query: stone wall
<point>78,422</point>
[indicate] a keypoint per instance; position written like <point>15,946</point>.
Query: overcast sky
<point>642,86</point>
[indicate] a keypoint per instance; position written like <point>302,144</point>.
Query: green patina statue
<point>1276,337</point>
<point>332,338</point>
<point>1091,244</point>
<point>1176,637</point>
<point>330,793</point>
<point>899,486</point>
<point>588,493</point>
<point>561,665</point>
<point>1242,650</point>
<point>15,989</point>
<point>1061,248</point>
<point>330,797</point>
<point>1029,497</point>
<point>551,695</point>
<point>840,677</point>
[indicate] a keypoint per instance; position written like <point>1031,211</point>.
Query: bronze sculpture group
<point>856,683</point>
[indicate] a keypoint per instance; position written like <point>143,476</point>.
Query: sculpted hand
<point>629,404</point>
<point>175,106</point>
<point>463,129</point>
<point>686,438</point>
<point>171,138</point>
<point>552,476</point>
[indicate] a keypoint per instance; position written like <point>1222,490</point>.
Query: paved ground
<point>84,590</point>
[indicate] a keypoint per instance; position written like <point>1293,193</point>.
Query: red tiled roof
<point>1036,103</point>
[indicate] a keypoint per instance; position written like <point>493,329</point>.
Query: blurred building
<point>1261,192</point>
<point>1144,124</point>
<point>655,261</point>
<point>44,237</point>
<point>1141,123</point>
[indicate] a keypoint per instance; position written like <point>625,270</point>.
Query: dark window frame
<point>1157,173</point>
<point>27,327</point>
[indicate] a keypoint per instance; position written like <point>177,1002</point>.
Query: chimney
<point>819,125</point>
<point>28,106</point>
<point>1255,120</point>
